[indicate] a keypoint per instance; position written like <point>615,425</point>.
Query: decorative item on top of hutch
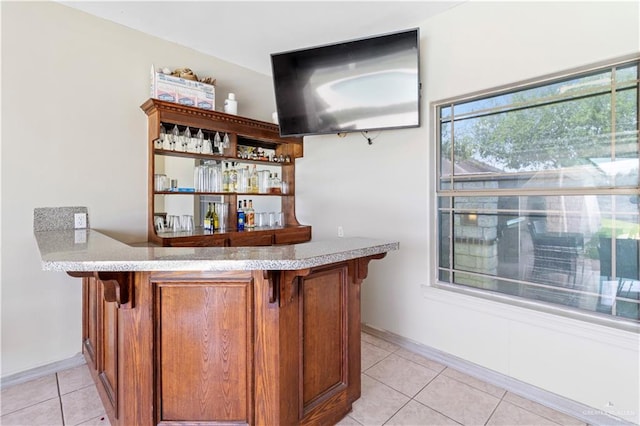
<point>189,151</point>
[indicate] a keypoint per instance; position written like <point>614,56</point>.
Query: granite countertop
<point>90,250</point>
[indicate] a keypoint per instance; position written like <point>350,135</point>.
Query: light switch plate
<point>80,220</point>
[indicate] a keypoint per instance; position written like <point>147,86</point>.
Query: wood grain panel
<point>108,365</point>
<point>251,239</point>
<point>205,351</point>
<point>90,323</point>
<point>324,335</point>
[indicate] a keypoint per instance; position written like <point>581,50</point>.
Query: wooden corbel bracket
<point>362,266</point>
<point>282,284</point>
<point>273,282</point>
<point>117,286</point>
<point>289,287</point>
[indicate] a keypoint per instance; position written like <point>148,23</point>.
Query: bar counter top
<point>91,250</point>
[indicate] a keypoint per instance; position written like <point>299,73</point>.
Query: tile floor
<point>67,397</point>
<point>398,388</point>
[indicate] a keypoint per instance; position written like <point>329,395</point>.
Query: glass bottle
<point>253,180</point>
<point>275,184</point>
<point>207,219</point>
<point>233,180</point>
<point>240,219</point>
<point>250,216</point>
<point>216,224</point>
<point>225,178</point>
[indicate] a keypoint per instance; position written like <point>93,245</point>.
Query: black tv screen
<point>358,85</point>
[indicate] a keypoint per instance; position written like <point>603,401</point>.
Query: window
<point>537,192</point>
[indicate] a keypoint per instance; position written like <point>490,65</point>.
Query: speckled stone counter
<point>218,335</point>
<point>90,250</point>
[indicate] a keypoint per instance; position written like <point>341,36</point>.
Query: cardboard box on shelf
<point>182,91</point>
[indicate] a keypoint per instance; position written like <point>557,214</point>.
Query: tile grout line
<point>60,399</point>
<point>539,414</point>
<point>496,407</point>
<point>440,373</point>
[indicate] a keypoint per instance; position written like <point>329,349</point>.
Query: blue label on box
<point>186,101</point>
<point>166,97</point>
<point>205,105</point>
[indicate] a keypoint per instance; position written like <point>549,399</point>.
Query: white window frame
<point>557,309</point>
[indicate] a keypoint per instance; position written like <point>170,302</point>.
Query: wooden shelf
<point>216,157</point>
<point>242,194</point>
<point>241,131</point>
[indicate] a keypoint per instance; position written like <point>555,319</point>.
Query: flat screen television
<point>359,85</point>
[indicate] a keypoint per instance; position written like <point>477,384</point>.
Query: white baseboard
<point>590,415</point>
<point>44,370</point>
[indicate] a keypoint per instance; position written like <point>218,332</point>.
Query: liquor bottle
<point>225,178</point>
<point>250,216</point>
<point>276,183</point>
<point>240,217</point>
<point>216,224</point>
<point>253,180</point>
<point>207,219</point>
<point>233,180</point>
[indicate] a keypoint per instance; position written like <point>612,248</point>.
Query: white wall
<point>70,81</point>
<point>386,190</point>
<point>73,133</point>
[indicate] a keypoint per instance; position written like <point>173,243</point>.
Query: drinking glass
<point>173,222</point>
<point>262,220</point>
<point>222,209</point>
<point>159,224</point>
<point>186,223</point>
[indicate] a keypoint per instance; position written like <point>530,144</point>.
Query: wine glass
<point>159,143</point>
<point>175,135</point>
<point>217,141</point>
<point>199,141</point>
<point>186,139</point>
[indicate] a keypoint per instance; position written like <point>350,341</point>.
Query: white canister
<point>231,104</point>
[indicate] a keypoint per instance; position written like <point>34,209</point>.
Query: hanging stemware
<point>200,141</point>
<point>175,136</point>
<point>186,139</point>
<point>159,143</point>
<point>217,141</point>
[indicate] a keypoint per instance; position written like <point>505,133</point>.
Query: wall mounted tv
<point>359,85</point>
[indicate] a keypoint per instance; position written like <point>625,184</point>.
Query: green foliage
<point>547,132</point>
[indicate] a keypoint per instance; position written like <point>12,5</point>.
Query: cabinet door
<point>108,356</point>
<point>90,320</point>
<point>205,354</point>
<point>325,361</point>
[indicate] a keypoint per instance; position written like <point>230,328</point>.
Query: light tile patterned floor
<point>398,388</point>
<point>402,388</point>
<point>68,397</point>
